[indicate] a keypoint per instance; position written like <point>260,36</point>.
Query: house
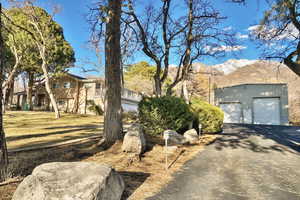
<point>254,103</point>
<point>75,94</point>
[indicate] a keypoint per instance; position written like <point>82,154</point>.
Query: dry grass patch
<point>31,129</point>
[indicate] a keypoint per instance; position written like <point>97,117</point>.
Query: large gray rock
<point>71,181</point>
<point>175,138</point>
<point>191,136</point>
<point>134,140</point>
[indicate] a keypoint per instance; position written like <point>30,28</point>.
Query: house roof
<point>252,84</point>
<point>75,76</point>
<point>92,79</point>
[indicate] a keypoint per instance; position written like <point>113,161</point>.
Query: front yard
<point>31,129</point>
<point>142,178</point>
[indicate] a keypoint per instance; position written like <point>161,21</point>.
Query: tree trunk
<point>29,90</point>
<point>8,85</point>
<point>42,50</point>
<point>171,87</point>
<point>8,90</point>
<point>49,90</point>
<point>4,99</point>
<point>185,92</point>
<point>3,147</point>
<point>113,111</point>
<point>11,92</point>
<point>76,97</point>
<point>157,84</point>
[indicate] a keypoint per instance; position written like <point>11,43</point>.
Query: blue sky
<point>76,29</point>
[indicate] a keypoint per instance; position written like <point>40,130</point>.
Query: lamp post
<point>166,137</point>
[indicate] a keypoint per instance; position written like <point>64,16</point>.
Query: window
<point>61,102</point>
<point>130,93</point>
<point>98,90</point>
<point>67,85</point>
<point>55,85</point>
<point>98,85</point>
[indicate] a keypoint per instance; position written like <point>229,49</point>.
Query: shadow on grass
<point>99,125</point>
<point>28,136</point>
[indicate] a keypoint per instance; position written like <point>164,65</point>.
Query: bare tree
<point>163,35</point>
<point>278,34</point>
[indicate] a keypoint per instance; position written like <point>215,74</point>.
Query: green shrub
<point>210,117</point>
<point>130,116</point>
<point>168,112</point>
<point>93,107</point>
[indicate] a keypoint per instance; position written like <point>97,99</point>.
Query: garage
<point>256,103</point>
<point>266,111</point>
<point>232,112</point>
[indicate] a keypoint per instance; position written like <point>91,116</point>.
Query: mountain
<point>231,65</point>
<point>262,71</point>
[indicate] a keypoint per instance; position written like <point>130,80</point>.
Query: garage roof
<point>251,84</point>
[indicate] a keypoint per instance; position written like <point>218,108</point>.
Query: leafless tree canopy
<point>278,33</point>
<point>183,32</point>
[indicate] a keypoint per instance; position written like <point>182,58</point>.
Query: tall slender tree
<point>3,147</point>
<point>47,52</point>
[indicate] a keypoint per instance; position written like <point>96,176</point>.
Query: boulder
<point>191,136</point>
<point>175,138</point>
<point>134,140</point>
<point>71,181</point>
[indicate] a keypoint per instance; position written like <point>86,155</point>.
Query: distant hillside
<point>231,65</point>
<point>266,72</point>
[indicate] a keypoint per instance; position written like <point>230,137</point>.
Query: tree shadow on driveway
<point>260,138</point>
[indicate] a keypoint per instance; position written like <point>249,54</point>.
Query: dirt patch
<point>143,176</point>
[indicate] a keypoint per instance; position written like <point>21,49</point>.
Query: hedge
<point>209,116</point>
<point>158,114</point>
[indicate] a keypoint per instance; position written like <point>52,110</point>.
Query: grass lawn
<point>143,177</point>
<point>30,129</point>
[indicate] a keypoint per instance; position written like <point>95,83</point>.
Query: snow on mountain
<point>231,65</point>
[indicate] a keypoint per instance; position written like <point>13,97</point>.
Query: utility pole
<point>210,74</point>
<point>209,82</point>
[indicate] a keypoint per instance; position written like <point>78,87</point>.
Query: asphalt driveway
<point>246,162</point>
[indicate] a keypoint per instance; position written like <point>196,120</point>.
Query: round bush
<point>168,112</point>
<point>209,116</point>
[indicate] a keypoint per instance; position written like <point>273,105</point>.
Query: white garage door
<point>232,112</point>
<point>266,111</point>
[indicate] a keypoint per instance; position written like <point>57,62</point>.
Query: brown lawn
<point>143,178</point>
<point>31,129</point>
